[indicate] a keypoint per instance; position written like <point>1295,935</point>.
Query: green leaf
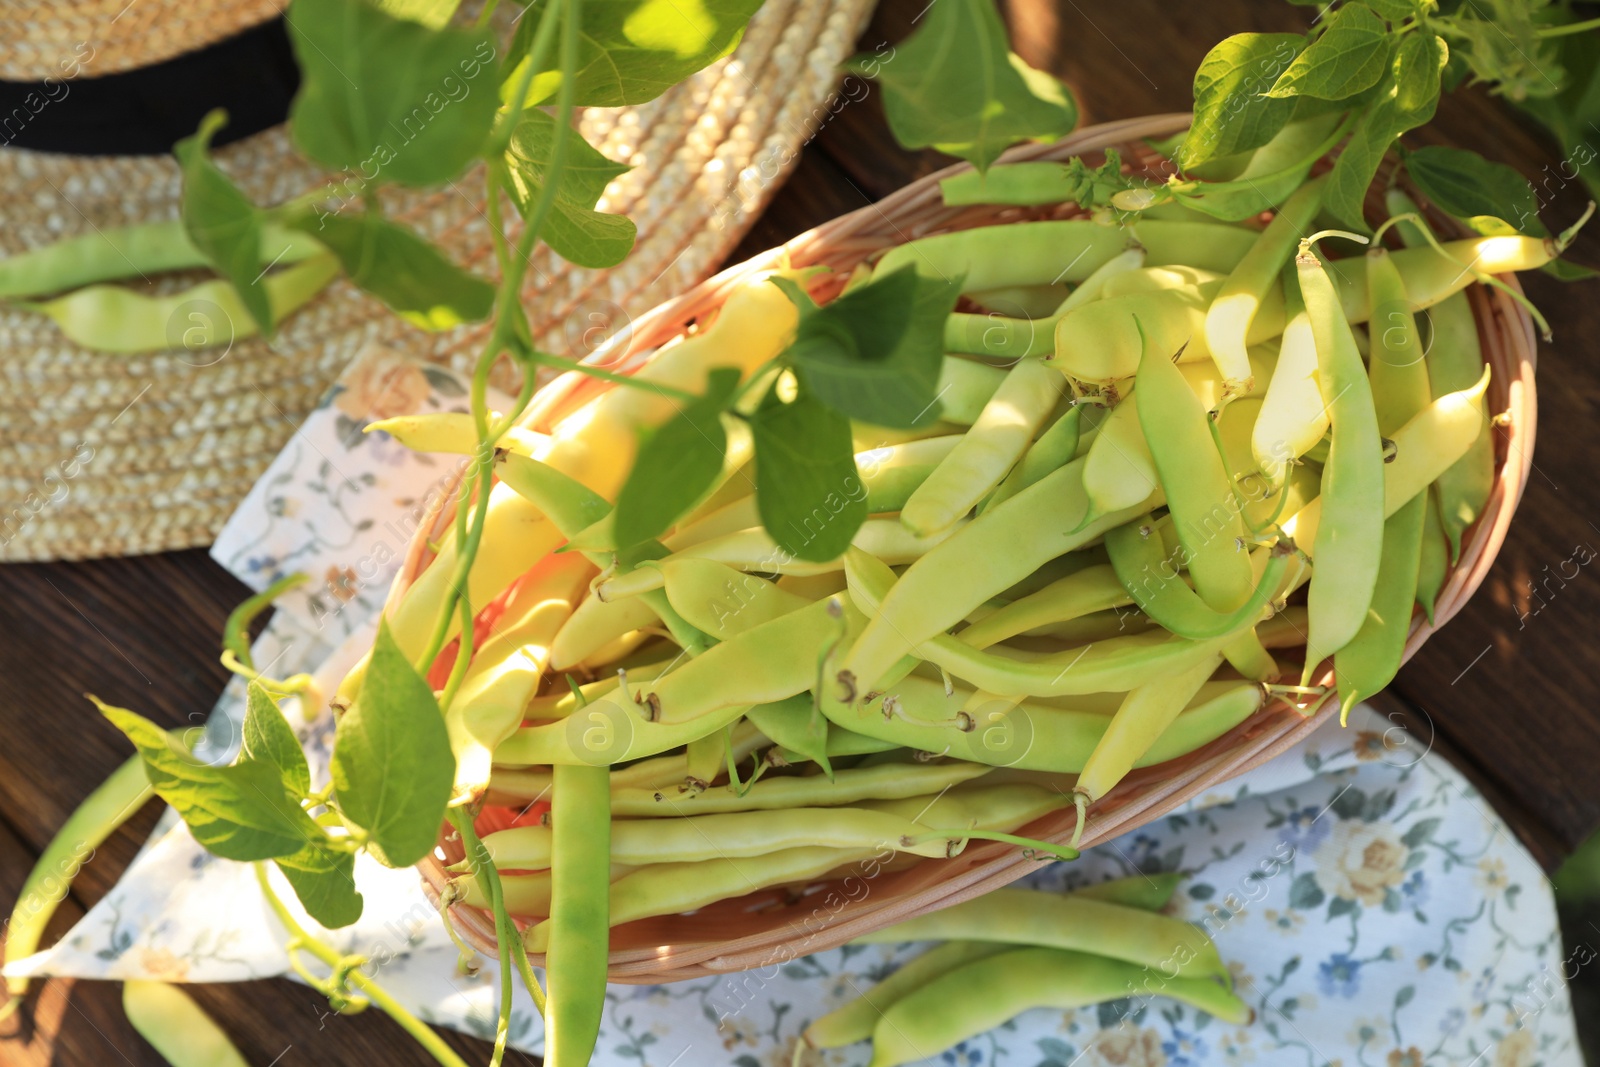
<point>1376,129</point>
<point>406,272</point>
<point>875,353</point>
<point>242,812</point>
<point>388,98</point>
<point>1465,184</point>
<point>573,229</point>
<point>809,494</point>
<point>1351,55</point>
<point>269,739</point>
<point>1421,831</point>
<point>634,50</point>
<point>677,463</point>
<point>1569,114</point>
<point>1341,906</point>
<point>222,222</point>
<point>324,880</point>
<point>392,766</point>
<point>1567,271</point>
<point>956,86</point>
<point>1231,112</point>
<point>1394,10</point>
<point>430,13</point>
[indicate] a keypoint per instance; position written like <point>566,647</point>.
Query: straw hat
<point>105,454</point>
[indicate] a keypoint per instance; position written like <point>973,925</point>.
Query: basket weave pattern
<point>773,926</point>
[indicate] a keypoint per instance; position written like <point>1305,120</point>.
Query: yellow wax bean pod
<point>1001,806</point>
<point>454,432</point>
<point>1067,921</point>
<point>672,771</point>
<point>1206,381</point>
<point>755,550</point>
<point>1156,279</point>
<point>736,515</point>
<point>1294,416</point>
<point>1423,448</point>
<point>884,781</point>
<point>722,601</point>
<point>1090,590</point>
<point>1144,716</point>
<point>1006,546</point>
<point>177,1027</point>
<point>1118,471</point>
<point>506,671</point>
<point>1430,277</point>
<point>1454,361</point>
<point>1099,343</point>
<point>596,446</point>
<point>965,387</point>
<point>1119,664</point>
<point>983,456</point>
<point>595,624</point>
<point>1240,299</point>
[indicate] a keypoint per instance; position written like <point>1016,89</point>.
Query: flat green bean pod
<point>1118,471</point>
<point>1143,568</point>
<point>578,930</point>
<point>111,318</point>
<point>177,1027</point>
<point>856,1020</point>
<point>852,786</point>
<point>1008,338</point>
<point>946,1012</point>
<point>1050,451</point>
<point>1067,921</point>
<point>1009,544</point>
<point>1093,589</point>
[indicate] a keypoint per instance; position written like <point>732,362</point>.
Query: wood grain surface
<point>1510,691</point>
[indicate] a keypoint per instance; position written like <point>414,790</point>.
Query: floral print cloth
<point>1374,910</point>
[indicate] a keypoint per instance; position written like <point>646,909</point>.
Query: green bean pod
<point>855,1021</point>
<point>177,1027</point>
<point>1090,590</point>
<point>119,252</point>
<point>1067,921</point>
<point>1455,360</point>
<point>945,1012</point>
<point>1009,338</point>
<point>1400,392</point>
<point>579,930</point>
<point>1349,541</point>
<point>1050,451</point>
<point>113,801</point>
<point>1144,570</point>
<point>1118,470</point>
<point>593,625</point>
<point>987,451</point>
<point>1430,277</point>
<point>1054,251</point>
<point>1294,415</point>
<point>721,601</point>
<point>854,785</point>
<point>111,318</point>
<point>455,433</point>
<point>1239,299</point>
<point>891,475</point>
<point>1434,562</point>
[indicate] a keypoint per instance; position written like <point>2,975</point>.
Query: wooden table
<point>1510,692</point>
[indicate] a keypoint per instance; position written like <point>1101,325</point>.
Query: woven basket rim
<point>671,948</point>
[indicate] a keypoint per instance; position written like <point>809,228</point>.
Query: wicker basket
<point>773,926</point>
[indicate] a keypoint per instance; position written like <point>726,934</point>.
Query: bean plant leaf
<point>955,85</point>
<point>808,492</point>
<point>388,98</point>
<point>1232,112</point>
<point>222,222</point>
<point>269,739</point>
<point>1466,185</point>
<point>242,812</point>
<point>392,767</point>
<point>632,51</point>
<point>1394,10</point>
<point>1352,54</point>
<point>1377,127</point>
<point>677,463</point>
<point>409,274</point>
<point>875,353</point>
<point>430,13</point>
<point>324,879</point>
<point>573,230</point>
<point>1568,114</point>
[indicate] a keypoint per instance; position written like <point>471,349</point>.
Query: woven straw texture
<point>774,926</point>
<point>46,39</point>
<point>112,455</point>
